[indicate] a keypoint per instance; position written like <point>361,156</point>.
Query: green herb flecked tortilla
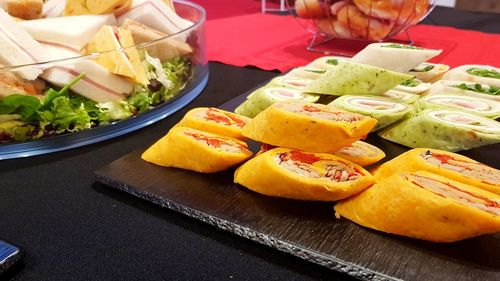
<point>348,78</point>
<point>421,130</point>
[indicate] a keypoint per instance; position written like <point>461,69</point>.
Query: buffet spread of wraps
<point>70,65</point>
<point>311,123</point>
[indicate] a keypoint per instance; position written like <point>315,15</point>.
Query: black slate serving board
<point>309,230</point>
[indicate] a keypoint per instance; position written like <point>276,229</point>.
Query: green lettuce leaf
<point>24,105</point>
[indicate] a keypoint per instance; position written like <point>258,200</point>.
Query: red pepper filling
<point>310,108</point>
<point>216,142</point>
<point>220,117</point>
<point>486,201</point>
<point>304,157</point>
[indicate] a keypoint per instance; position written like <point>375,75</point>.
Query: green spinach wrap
<point>348,78</point>
<point>264,97</point>
<point>477,106</point>
<point>385,110</point>
<point>449,130</point>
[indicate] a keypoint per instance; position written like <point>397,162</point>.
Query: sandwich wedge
<point>120,56</point>
<point>165,49</point>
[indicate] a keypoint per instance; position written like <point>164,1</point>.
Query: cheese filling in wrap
<point>400,96</point>
<point>481,74</point>
<point>294,174</point>
<point>384,110</point>
<point>308,127</point>
<point>478,106</point>
<point>449,87</point>
<point>425,206</point>
<point>447,164</point>
<point>443,129</point>
<point>196,150</point>
<point>361,153</point>
<point>264,97</point>
<point>429,72</point>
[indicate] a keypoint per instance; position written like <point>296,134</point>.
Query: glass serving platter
<point>192,38</point>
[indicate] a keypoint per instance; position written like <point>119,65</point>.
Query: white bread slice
<point>98,84</point>
<point>165,49</point>
<point>53,8</point>
<point>72,31</point>
<point>19,48</point>
<point>155,14</point>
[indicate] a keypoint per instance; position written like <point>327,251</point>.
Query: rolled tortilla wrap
<point>429,72</point>
<point>481,74</point>
<point>305,72</point>
<point>348,78</point>
<point>213,120</point>
<point>413,86</point>
<point>474,105</point>
<point>443,129</point>
<point>444,163</point>
<point>294,83</point>
<point>264,97</point>
<point>383,109</point>
<point>361,153</point>
<point>425,206</point>
<point>294,174</point>
<point>393,56</point>
<point>326,62</point>
<point>196,150</point>
<point>400,96</point>
<point>308,127</point>
<point>449,87</point>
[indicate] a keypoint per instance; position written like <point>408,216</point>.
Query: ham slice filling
<point>306,165</point>
<point>461,196</point>
<point>320,113</point>
<point>470,169</point>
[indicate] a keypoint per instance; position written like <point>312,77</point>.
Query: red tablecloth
<point>238,34</point>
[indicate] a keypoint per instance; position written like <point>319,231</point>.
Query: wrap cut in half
<point>361,153</point>
<point>386,111</point>
<point>429,72</point>
<point>400,96</point>
<point>393,56</point>
<point>295,83</point>
<point>449,130</point>
<point>308,126</point>
<point>347,78</point>
<point>447,164</point>
<point>481,74</point>
<point>215,121</point>
<point>264,97</point>
<point>196,150</point>
<point>474,105</point>
<point>294,174</point>
<point>326,62</point>
<point>449,87</point>
<point>425,206</point>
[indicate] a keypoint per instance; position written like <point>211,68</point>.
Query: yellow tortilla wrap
<point>444,163</point>
<point>425,206</point>
<point>294,174</point>
<point>308,126</point>
<point>196,150</point>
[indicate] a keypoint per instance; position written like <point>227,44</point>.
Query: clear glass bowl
<point>191,51</point>
<point>372,20</point>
